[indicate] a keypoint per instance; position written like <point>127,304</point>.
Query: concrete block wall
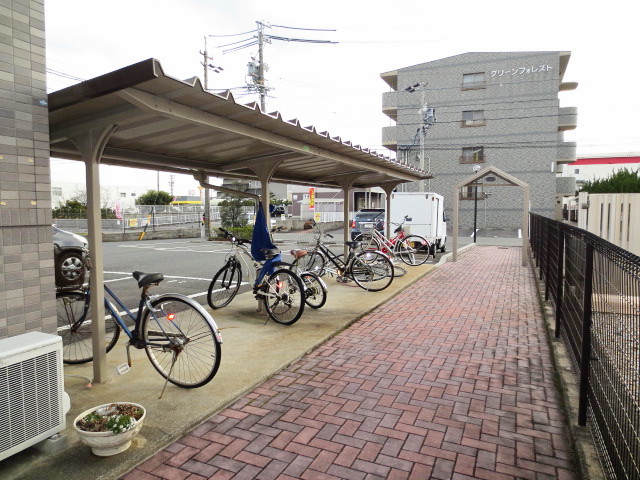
<point>520,135</point>
<point>27,296</point>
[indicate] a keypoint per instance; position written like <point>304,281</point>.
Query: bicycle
<point>411,249</point>
<point>369,269</point>
<point>282,291</point>
<point>180,338</point>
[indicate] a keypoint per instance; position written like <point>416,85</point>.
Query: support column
<point>346,182</point>
<point>264,171</point>
<point>525,226</point>
<point>388,190</point>
<point>91,144</point>
<point>456,203</point>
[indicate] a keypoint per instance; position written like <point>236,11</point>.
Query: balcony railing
<point>473,123</point>
<point>474,85</point>
<point>472,159</point>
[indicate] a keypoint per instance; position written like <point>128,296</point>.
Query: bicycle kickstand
<point>173,362</point>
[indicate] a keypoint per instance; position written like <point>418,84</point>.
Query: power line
<point>310,29</point>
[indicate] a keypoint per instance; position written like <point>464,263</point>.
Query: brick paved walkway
<point>452,379</point>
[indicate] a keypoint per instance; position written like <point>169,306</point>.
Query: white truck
<point>426,213</point>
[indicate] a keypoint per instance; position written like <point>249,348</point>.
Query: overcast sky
<point>337,87</point>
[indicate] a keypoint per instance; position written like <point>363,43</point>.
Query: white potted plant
<point>108,429</point>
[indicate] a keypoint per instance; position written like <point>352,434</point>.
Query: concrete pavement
<point>253,350</point>
<point>450,379</point>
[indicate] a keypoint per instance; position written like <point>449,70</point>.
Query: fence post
<point>547,280</point>
<point>585,355</point>
<point>543,231</point>
<point>560,280</point>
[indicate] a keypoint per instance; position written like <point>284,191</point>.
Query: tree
<point>623,181</point>
<point>231,212</point>
<point>154,197</point>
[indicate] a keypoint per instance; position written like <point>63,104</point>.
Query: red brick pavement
<point>451,379</point>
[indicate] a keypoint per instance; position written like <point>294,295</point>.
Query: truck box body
<point>426,211</point>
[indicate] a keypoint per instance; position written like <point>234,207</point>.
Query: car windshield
<point>368,216</point>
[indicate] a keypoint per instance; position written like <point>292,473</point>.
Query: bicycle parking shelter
<point>139,117</point>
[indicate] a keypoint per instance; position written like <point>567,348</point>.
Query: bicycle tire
<point>222,288</point>
<point>413,250</point>
<point>74,326</point>
<point>191,337</point>
<point>313,262</point>
<point>371,270</point>
<point>315,291</point>
<point>284,299</point>
<point>368,241</point>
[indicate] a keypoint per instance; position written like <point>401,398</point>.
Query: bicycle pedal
<point>122,369</point>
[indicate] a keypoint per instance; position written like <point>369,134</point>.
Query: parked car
<point>70,255</point>
<point>365,219</point>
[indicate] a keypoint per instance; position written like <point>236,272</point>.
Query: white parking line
<point>166,276</point>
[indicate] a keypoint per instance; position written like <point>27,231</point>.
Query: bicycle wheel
<point>372,271</point>
<point>74,326</point>
<point>181,342</point>
<point>315,291</point>
<point>312,262</point>
<point>284,299</point>
<point>369,242</point>
<point>413,250</point>
<point>224,286</point>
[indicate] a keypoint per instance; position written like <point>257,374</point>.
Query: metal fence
<point>594,288</point>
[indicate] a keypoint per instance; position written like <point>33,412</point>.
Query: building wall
<point>27,301</point>
<point>520,135</point>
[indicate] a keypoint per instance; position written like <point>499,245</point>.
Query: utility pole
<point>171,184</point>
<point>262,90</point>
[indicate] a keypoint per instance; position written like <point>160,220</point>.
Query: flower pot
<point>104,444</point>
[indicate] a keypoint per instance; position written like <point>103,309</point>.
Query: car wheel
<point>70,269</point>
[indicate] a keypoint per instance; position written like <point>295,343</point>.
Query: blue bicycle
<point>281,290</point>
<point>180,338</point>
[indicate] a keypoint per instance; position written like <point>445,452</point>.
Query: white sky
<point>338,87</point>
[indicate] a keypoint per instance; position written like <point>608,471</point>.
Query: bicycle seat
<point>145,279</point>
<point>243,241</point>
<point>298,253</point>
<point>352,244</point>
<point>269,252</point>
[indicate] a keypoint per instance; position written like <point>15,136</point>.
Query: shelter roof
<point>168,124</point>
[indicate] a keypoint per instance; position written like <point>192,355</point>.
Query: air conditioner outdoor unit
<point>32,398</point>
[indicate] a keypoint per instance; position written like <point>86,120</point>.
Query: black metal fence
<point>594,288</point>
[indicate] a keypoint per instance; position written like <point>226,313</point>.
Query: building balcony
<point>390,137</point>
<point>390,105</point>
<point>472,159</point>
<point>566,152</point>
<point>390,78</point>
<point>567,118</point>
<point>565,86</point>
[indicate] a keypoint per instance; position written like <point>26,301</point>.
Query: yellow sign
<point>312,198</point>
<point>133,222</point>
<point>317,216</point>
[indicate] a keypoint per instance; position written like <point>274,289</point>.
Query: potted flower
<point>108,429</point>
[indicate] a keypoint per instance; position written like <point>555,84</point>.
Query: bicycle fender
<point>195,305</point>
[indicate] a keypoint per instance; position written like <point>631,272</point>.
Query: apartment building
<point>478,109</point>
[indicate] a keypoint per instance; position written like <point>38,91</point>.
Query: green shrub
<point>623,181</point>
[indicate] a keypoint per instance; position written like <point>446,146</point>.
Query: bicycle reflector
<point>171,317</point>
<point>280,285</point>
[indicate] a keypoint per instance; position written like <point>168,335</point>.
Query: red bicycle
<point>411,249</point>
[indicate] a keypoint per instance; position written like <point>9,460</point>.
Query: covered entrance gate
<point>494,177</point>
<point>141,118</point>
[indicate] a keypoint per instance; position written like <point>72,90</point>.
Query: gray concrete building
<point>499,109</point>
<point>27,301</point>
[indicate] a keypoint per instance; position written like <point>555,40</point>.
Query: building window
<point>123,195</point>
<point>133,194</point>
<point>473,118</point>
<point>576,171</point>
<point>472,155</point>
<point>468,193</point>
<point>473,80</point>
<point>56,190</point>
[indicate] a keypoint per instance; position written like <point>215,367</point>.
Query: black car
<point>365,220</point>
<point>70,254</point>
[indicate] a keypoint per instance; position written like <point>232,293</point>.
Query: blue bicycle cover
<point>260,238</point>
